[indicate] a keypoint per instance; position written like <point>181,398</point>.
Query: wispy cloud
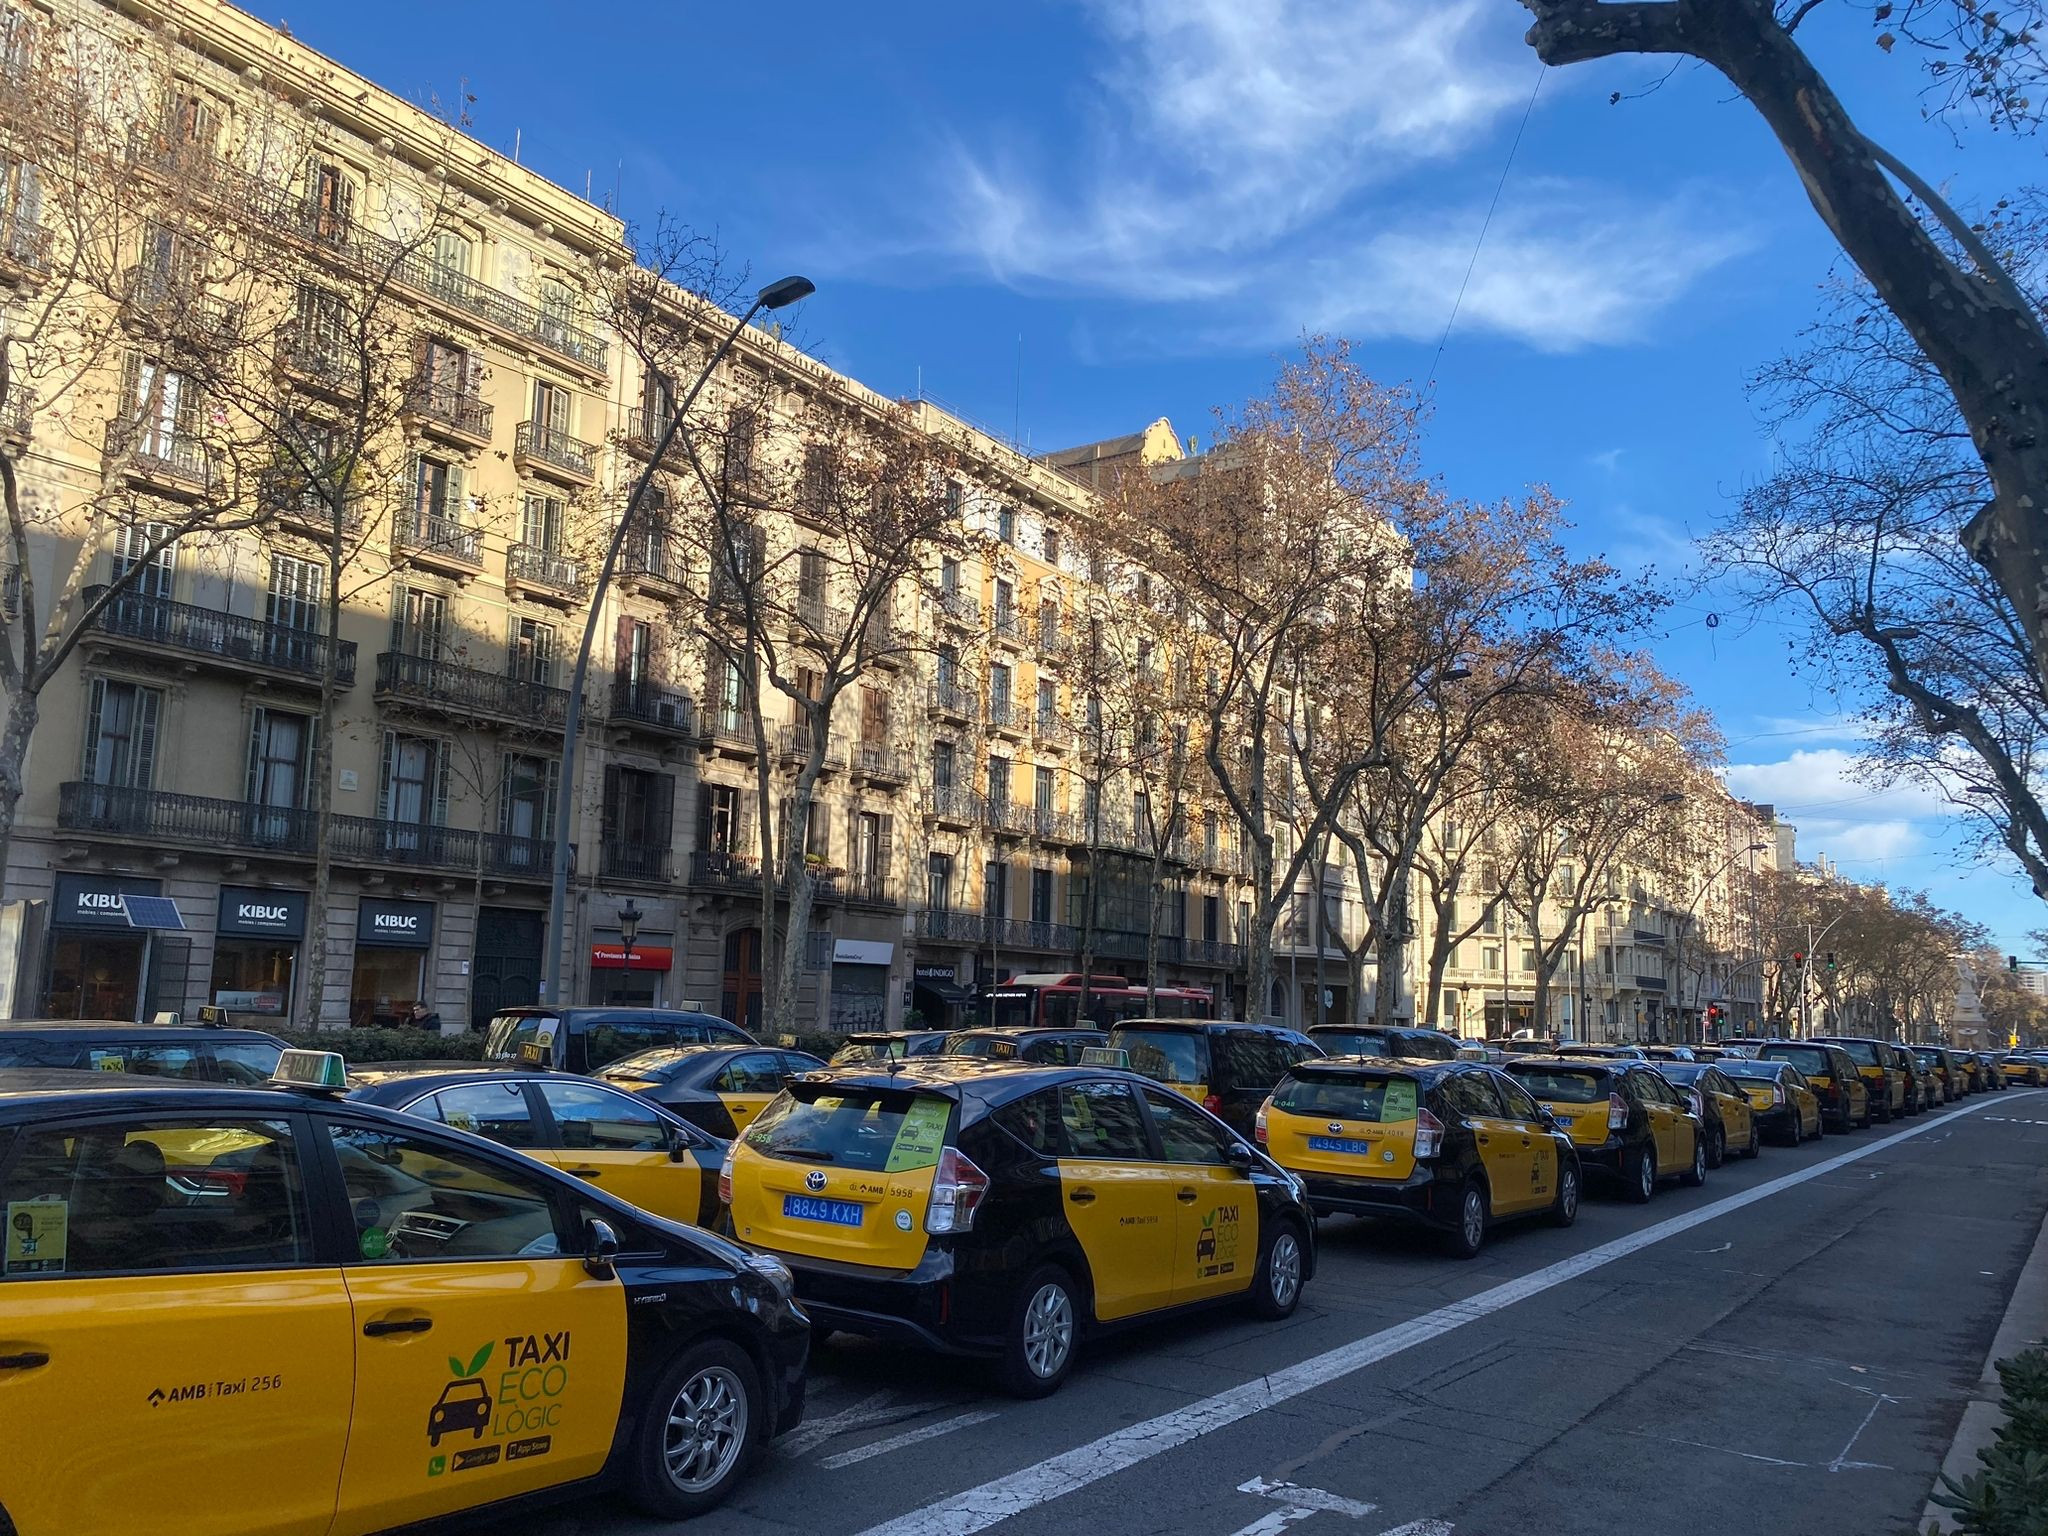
<point>1260,158</point>
<point>1608,459</point>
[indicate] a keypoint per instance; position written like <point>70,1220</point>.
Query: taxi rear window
<point>996,1047</point>
<point>1386,1100</point>
<point>1562,1087</point>
<point>856,1051</point>
<point>877,1130</point>
<point>1862,1053</point>
<point>511,1033</point>
<point>1165,1055</point>
<point>1351,1043</point>
<point>1680,1071</point>
<point>1810,1059</point>
<point>1766,1070</point>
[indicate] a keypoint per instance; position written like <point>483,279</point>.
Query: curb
<point>2025,1323</point>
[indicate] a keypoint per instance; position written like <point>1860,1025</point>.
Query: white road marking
<point>1422,1528</point>
<point>809,1436</point>
<point>991,1503</point>
<point>1308,1498</point>
<point>1271,1525</point>
<point>1842,1463</point>
<point>908,1437</point>
<point>1702,1445</point>
<point>1722,1249</point>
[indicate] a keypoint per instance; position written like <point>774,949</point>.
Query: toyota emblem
<point>814,1181</point>
<point>1336,1126</point>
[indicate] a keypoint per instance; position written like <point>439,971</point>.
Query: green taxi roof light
<point>1105,1056</point>
<point>321,1070</point>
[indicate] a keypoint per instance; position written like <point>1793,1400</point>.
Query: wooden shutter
<point>96,698</point>
<point>400,613</point>
<point>251,781</point>
<point>662,816</point>
<point>703,817</point>
<point>312,751</point>
<point>457,508</point>
<point>885,851</point>
<point>440,772</point>
<point>148,701</point>
<point>386,769</point>
<point>613,786</point>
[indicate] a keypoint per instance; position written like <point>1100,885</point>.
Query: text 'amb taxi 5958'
<point>1004,1209</point>
<point>283,1311</point>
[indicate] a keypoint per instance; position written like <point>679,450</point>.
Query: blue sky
<point>1076,217</point>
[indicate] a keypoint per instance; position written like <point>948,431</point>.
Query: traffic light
<point>1831,959</point>
<point>2012,962</point>
<point>1799,957</point>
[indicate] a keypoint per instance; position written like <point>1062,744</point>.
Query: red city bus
<point>1052,999</point>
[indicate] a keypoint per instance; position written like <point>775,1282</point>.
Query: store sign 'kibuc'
<point>395,924</point>
<point>246,912</point>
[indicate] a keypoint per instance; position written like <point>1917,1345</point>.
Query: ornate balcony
<point>226,640</point>
<point>319,364</point>
<point>428,686</point>
<point>622,859</point>
<point>958,606</point>
<point>883,767</point>
<point>640,705</point>
<point>1005,718</point>
<point>948,927</point>
<point>438,541</point>
<point>24,249</point>
<point>718,869</point>
<point>541,449</point>
<point>950,701</point>
<point>545,573</point>
<point>442,410</point>
<point>953,806</point>
<point>1008,628</point>
<point>164,461</point>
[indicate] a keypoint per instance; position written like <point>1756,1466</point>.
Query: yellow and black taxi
<point>1453,1145</point>
<point>205,1050</point>
<point>1630,1126</point>
<point>1920,1093</point>
<point>1963,1065</point>
<point>286,1310</point>
<point>1885,1084</point>
<point>623,1143</point>
<point>1042,1045</point>
<point>1227,1067</point>
<point>717,1088</point>
<point>1988,1074</point>
<point>1935,1060</point>
<point>2019,1067</point>
<point>1005,1210</point>
<point>1406,1042</point>
<point>888,1045</point>
<point>1832,1075</point>
<point>1726,1116</point>
<point>1787,1110</point>
<point>585,1039</point>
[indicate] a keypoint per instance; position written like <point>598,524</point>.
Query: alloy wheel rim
<point>1699,1162</point>
<point>1649,1173</point>
<point>1048,1330</point>
<point>1475,1219</point>
<point>1571,1195</point>
<point>707,1428</point>
<point>1285,1265</point>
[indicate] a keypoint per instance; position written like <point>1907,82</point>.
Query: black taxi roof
<point>386,1081</point>
<point>1430,1067</point>
<point>116,1026</point>
<point>989,1082</point>
<point>34,1093</point>
<point>1582,1063</point>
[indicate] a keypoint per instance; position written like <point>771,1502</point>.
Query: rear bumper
<point>928,1307</point>
<point>1780,1120</point>
<point>1415,1198</point>
<point>1603,1161</point>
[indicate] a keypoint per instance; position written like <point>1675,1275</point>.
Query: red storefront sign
<point>649,957</point>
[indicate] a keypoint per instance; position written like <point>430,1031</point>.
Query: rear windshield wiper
<point>806,1154</point>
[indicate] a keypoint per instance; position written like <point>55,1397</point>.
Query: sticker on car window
<point>1398,1102</point>
<point>38,1232</point>
<point>920,1136</point>
<point>375,1243</point>
<point>109,1061</point>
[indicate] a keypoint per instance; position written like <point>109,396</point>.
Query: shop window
<point>253,976</point>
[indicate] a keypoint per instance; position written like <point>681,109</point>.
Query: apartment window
<point>942,765</point>
<point>294,607</point>
<point>334,198</point>
<point>657,403</point>
<point>1144,587</point>
<point>1048,699</point>
<point>741,428</point>
<point>998,781</point>
<point>1049,624</point>
<point>1489,921</point>
<point>1043,789</point>
<point>1212,918</point>
<point>948,670</point>
<point>1041,895</point>
<point>166,404</point>
<point>436,491</point>
<point>639,812</point>
<point>540,521</point>
<point>1006,524</point>
<point>1141,810</point>
<point>733,708</point>
<point>938,882</point>
<point>17,41</point>
<point>448,371</point>
<point>1212,835</point>
<point>874,717</point>
<point>956,500</point>
<point>120,733</point>
<point>719,819</point>
<point>419,621</point>
<point>551,408</point>
<point>1244,922</point>
<point>810,684</point>
<point>412,784</point>
<point>1006,602</point>
<point>636,652</point>
<point>871,849</point>
<point>999,691</point>
<point>1091,801</point>
<point>949,575</point>
<point>1050,546</point>
<point>194,121</point>
<point>995,889</point>
<point>1489,957</point>
<point>146,545</point>
<point>451,253</point>
<point>810,575</point>
<point>1528,958</point>
<point>526,796</point>
<point>1147,670</point>
<point>280,758</point>
<point>1607,959</point>
<point>533,651</point>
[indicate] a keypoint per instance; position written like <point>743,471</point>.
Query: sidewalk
<point>2025,1323</point>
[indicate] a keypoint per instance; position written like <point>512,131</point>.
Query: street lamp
<point>777,295</point>
<point>629,930</point>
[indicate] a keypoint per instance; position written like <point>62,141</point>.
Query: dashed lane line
<point>922,1433</point>
<point>976,1509</point>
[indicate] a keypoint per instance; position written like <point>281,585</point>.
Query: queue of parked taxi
<point>601,1255</point>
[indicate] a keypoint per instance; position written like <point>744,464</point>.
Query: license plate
<point>1343,1144</point>
<point>1564,1122</point>
<point>837,1213</point>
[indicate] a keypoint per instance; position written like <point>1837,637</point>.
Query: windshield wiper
<point>806,1154</point>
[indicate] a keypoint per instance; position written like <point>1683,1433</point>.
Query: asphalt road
<point>1786,1350</point>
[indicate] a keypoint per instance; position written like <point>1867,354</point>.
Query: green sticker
<point>1398,1103</point>
<point>920,1136</point>
<point>375,1243</point>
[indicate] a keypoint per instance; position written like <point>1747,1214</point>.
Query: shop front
<point>938,999</point>
<point>256,950</point>
<point>635,978</point>
<point>98,961</point>
<point>393,941</point>
<point>860,984</point>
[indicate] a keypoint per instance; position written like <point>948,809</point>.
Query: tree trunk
<point>22,711</point>
<point>1152,932</point>
<point>314,984</point>
<point>1354,968</point>
<point>1259,963</point>
<point>795,861</point>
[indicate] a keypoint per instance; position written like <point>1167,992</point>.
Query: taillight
<point>1617,1112</point>
<point>1693,1098</point>
<point>1429,1134</point>
<point>1214,1104</point>
<point>1259,1125</point>
<point>958,1188</point>
<point>1777,1094</point>
<point>725,1175</point>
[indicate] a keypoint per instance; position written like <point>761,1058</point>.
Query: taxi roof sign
<point>322,1070</point>
<point>1105,1056</point>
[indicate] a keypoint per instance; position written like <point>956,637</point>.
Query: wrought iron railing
<point>721,869</point>
<point>631,859</point>
<point>226,637</point>
<point>556,448</point>
<point>961,606</point>
<point>460,409</point>
<point>952,927</point>
<point>663,708</point>
<point>541,567</point>
<point>470,690</point>
<point>434,534</point>
<point>952,699</point>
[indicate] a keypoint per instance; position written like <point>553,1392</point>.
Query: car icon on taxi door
<point>464,1404</point>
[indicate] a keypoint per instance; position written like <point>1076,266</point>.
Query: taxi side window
<point>1102,1120</point>
<point>415,1199</point>
<point>1521,1104</point>
<point>1186,1135</point>
<point>1035,1121</point>
<point>153,1195</point>
<point>244,1061</point>
<point>139,1059</point>
<point>497,1110</point>
<point>1472,1094</point>
<point>603,1119</point>
<point>756,1072</point>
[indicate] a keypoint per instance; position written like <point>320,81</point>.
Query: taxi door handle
<point>1185,1196</point>
<point>27,1360</point>
<point>586,1173</point>
<point>1082,1197</point>
<point>377,1327</point>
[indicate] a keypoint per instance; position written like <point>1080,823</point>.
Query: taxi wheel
<point>1756,1140</point>
<point>1566,1210</point>
<point>1276,1288</point>
<point>1696,1173</point>
<point>1717,1146</point>
<point>1038,1345</point>
<point>1639,1176</point>
<point>699,1432</point>
<point>1474,1208</point>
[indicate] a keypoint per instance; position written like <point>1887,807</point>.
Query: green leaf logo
<point>455,1367</point>
<point>476,1366</point>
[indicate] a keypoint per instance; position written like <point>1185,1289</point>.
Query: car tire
<point>1696,1174</point>
<point>1717,1146</point>
<point>1639,1176</point>
<point>1475,1212</point>
<point>1565,1209</point>
<point>712,1389</point>
<point>1755,1149</point>
<point>1042,1334</point>
<point>1283,1263</point>
<point>1886,1117</point>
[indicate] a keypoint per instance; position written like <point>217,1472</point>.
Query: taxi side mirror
<point>600,1248</point>
<point>679,1144</point>
<point>1239,1156</point>
<point>1543,1113</point>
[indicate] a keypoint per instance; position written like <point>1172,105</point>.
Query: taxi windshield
<point>876,1130</point>
<point>856,1051</point>
<point>1767,1070</point>
<point>1350,1042</point>
<point>1164,1055</point>
<point>1862,1052</point>
<point>511,1033</point>
<point>1810,1059</point>
<point>994,1047</point>
<point>1385,1100</point>
<point>657,1065</point>
<point>1557,1086</point>
<point>1680,1071</point>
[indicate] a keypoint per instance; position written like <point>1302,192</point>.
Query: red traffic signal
<point>1799,957</point>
